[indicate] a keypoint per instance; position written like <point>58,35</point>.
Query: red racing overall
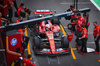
<point>84,40</point>
<point>86,23</point>
<point>95,32</point>
<point>78,26</point>
<point>15,4</point>
<point>20,30</point>
<point>27,62</point>
<point>0,21</point>
<point>1,24</point>
<point>10,10</point>
<point>73,16</point>
<point>19,10</point>
<point>81,20</point>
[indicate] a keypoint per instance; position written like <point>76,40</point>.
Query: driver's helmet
<point>47,27</point>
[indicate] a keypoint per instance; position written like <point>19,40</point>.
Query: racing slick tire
<point>65,42</point>
<point>68,17</point>
<point>69,26</point>
<point>31,17</point>
<point>37,42</point>
<point>55,21</point>
<point>79,42</point>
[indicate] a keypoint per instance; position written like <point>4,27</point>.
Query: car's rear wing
<point>43,12</point>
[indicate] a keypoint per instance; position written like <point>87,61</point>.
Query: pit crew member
<point>84,41</point>
<point>2,20</point>
<point>96,34</point>
<point>80,18</point>
<point>15,4</point>
<point>27,62</point>
<point>10,10</point>
<point>20,19</point>
<point>22,13</point>
<point>86,22</point>
<point>73,9</point>
<point>78,25</point>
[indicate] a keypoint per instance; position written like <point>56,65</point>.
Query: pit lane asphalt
<point>60,6</point>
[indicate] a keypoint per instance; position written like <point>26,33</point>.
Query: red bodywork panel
<point>55,53</point>
<point>50,37</point>
<point>70,37</point>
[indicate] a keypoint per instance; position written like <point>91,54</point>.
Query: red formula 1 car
<point>49,38</point>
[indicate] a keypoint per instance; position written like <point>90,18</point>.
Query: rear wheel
<point>31,17</point>
<point>69,26</point>
<point>55,21</point>
<point>65,42</point>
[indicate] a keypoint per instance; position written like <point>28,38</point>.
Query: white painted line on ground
<point>78,3</point>
<point>95,5</point>
<point>89,50</point>
<point>92,42</point>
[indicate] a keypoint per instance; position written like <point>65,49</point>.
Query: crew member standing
<point>27,62</point>
<point>20,19</point>
<point>10,13</point>
<point>84,40</point>
<point>73,9</point>
<point>86,22</point>
<point>96,33</point>
<point>2,20</point>
<point>15,4</point>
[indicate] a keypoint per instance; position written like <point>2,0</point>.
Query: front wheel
<point>37,42</point>
<point>65,42</point>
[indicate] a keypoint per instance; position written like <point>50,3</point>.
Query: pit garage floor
<point>74,58</point>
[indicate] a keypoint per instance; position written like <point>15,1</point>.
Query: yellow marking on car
<point>51,41</point>
<point>73,55</point>
<point>28,47</point>
<point>46,45</point>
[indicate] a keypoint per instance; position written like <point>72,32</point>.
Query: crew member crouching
<point>80,18</point>
<point>78,25</point>
<point>22,13</point>
<point>27,62</point>
<point>20,19</point>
